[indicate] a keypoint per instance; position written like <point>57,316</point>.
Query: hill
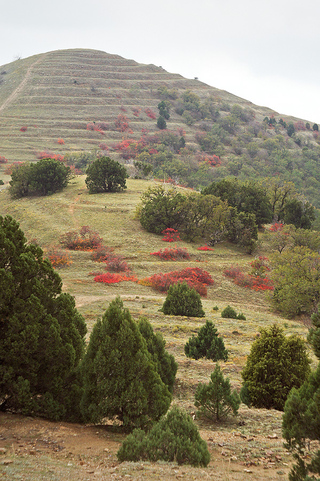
<point>78,101</point>
<point>250,443</point>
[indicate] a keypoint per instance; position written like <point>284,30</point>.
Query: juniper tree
<point>120,378</point>
<point>41,332</point>
<point>182,300</point>
<point>206,344</point>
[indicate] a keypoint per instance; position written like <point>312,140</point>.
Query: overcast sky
<point>266,52</point>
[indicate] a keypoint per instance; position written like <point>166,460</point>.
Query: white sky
<point>266,52</point>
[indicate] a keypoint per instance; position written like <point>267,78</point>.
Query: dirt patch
<point>33,449</point>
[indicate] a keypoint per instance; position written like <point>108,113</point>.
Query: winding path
<point>20,87</point>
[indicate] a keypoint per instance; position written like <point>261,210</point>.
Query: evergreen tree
<point>164,362</point>
<point>182,300</point>
<point>301,419</point>
<point>174,438</point>
<point>161,123</point>
<point>275,365</point>
<point>41,332</point>
<point>45,177</point>
<point>120,377</point>
<point>207,344</point>
<point>215,399</point>
<point>106,175</point>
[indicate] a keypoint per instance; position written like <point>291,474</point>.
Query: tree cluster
<point>125,373</point>
<point>196,216</point>
<point>44,177</point>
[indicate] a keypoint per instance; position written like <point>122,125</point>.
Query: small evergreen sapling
<point>182,300</point>
<point>215,400</point>
<point>174,438</point>
<point>207,344</point>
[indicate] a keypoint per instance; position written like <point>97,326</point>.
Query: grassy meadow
<point>45,219</point>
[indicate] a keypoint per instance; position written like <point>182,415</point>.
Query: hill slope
<point>64,101</point>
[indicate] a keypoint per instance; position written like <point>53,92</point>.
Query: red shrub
<point>109,278</point>
<point>122,123</point>
<point>193,276</point>
<point>150,114</point>
<point>170,235</point>
<point>276,227</point>
<point>84,240</point>
<point>58,258</point>
<point>60,141</point>
<point>178,253</point>
<point>136,111</point>
<point>46,154</point>
<point>102,254</point>
<point>205,248</point>
<point>116,264</point>
<point>103,146</point>
<point>23,129</point>
<point>253,281</point>
<point>3,160</point>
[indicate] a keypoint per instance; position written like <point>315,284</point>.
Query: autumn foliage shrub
<point>170,235</point>
<point>84,240</point>
<point>276,227</point>
<point>116,264</point>
<point>257,280</point>
<point>205,248</point>
<point>58,258</point>
<point>101,254</point>
<point>47,154</point>
<point>60,141</point>
<point>114,278</point>
<point>23,129</point>
<point>150,114</point>
<point>3,160</point>
<point>177,253</point>
<point>194,277</point>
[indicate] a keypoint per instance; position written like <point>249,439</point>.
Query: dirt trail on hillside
<point>20,87</point>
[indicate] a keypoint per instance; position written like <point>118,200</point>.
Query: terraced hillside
<point>56,94</point>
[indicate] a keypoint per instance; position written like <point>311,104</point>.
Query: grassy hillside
<point>113,217</point>
<point>66,101</point>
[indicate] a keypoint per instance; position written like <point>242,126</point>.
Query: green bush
<point>275,365</point>
<point>174,438</point>
<point>45,177</point>
<point>106,175</point>
<point>182,300</point>
<point>229,313</point>
<point>207,344</point>
<point>215,399</point>
<point>120,378</point>
<point>241,316</point>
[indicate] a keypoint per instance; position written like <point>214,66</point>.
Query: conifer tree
<point>41,332</point>
<point>301,419</point>
<point>183,300</point>
<point>207,344</point>
<point>165,362</point>
<point>275,365</point>
<point>215,399</point>
<point>174,438</point>
<point>120,378</point>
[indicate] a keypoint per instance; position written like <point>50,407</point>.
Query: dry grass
<point>113,217</point>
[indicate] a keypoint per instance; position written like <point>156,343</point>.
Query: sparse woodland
<point>161,274</point>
